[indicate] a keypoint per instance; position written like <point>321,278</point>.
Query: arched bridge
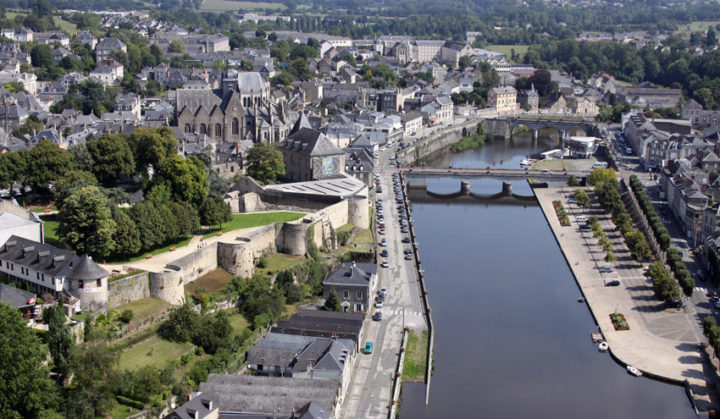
<point>504,127</point>
<point>418,192</point>
<point>500,174</point>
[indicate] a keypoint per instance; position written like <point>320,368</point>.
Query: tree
<point>582,198</point>
<point>265,163</point>
<point>113,158</point>
<point>572,181</point>
<point>127,235</point>
<point>638,246</point>
<point>60,339</point>
<point>215,211</point>
<point>42,56</point>
<point>40,8</point>
<point>464,62</point>
<point>86,224</point>
<point>81,157</point>
<point>147,219</point>
<point>177,46</point>
<point>186,177</point>
<point>186,217</point>
<point>31,126</point>
<point>333,302</point>
<point>90,393</point>
<point>26,389</point>
<point>180,325</point>
<point>46,163</point>
<point>600,176</point>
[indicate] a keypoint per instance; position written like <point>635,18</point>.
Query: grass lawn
<point>65,26</point>
<point>506,49</point>
<point>415,357</point>
<point>211,281</point>
<point>143,308</point>
<point>153,351</point>
<point>697,26</point>
<point>278,262</point>
<point>238,323</point>
<point>50,230</point>
<point>363,237</point>
<point>240,221</point>
<point>120,411</point>
<point>224,5</point>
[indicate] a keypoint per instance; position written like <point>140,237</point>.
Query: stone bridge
<point>419,193</point>
<point>504,127</point>
<point>499,174</point>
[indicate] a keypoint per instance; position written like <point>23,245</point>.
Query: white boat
<point>603,346</point>
<point>634,371</point>
<point>527,162</point>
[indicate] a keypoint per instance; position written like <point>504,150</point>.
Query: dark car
<point>377,316</point>
<point>613,283</point>
<point>406,239</point>
<point>384,253</point>
<point>407,251</point>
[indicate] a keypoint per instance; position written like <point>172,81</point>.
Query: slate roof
<point>110,44</point>
<point>251,82</point>
<point>352,273</point>
<point>261,355</point>
<point>87,270</point>
<point>322,324</point>
<point>40,257</point>
<point>15,297</point>
<point>311,142</point>
<point>202,404</point>
<point>257,394</point>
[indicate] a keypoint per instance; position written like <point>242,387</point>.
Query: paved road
<point>369,393</point>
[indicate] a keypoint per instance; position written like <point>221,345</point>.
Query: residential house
<point>698,116</point>
<point>19,299</point>
<point>354,283</point>
<point>87,38</point>
<point>503,99</point>
<point>17,221</point>
<point>106,46</point>
<point>46,269</point>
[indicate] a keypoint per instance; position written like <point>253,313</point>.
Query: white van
<point>600,165</point>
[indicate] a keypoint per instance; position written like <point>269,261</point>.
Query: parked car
<point>379,304</point>
<point>716,302</point>
<point>377,316</point>
<point>383,242</point>
<point>581,218</point>
<point>384,264</point>
<point>384,253</point>
<point>613,283</point>
<point>407,251</point>
<point>408,257</point>
<point>603,269</point>
<point>368,347</point>
<point>406,239</point>
<point>383,290</point>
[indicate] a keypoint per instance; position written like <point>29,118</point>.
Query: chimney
<point>292,413</point>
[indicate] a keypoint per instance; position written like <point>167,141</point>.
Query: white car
<point>581,218</point>
<point>379,304</point>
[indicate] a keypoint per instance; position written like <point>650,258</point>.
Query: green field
<point>65,26</point>
<point>50,226</point>
<point>154,351</point>
<point>238,324</point>
<point>507,49</point>
<point>240,221</point>
<point>143,308</point>
<point>277,263</point>
<point>225,5</point>
<point>416,357</point>
<point>697,26</point>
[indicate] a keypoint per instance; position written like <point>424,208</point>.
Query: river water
<point>511,339</point>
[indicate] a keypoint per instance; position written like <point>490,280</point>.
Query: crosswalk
<point>701,289</point>
<point>399,311</point>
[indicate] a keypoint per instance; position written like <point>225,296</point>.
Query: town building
<point>354,283</point>
<point>310,155</point>
<point>106,46</point>
<point>17,221</point>
<point>503,99</point>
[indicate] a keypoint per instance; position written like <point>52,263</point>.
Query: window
<point>187,127</point>
<point>346,295</point>
<point>81,284</point>
<point>235,126</point>
<point>358,295</point>
<point>203,129</point>
<point>218,130</point>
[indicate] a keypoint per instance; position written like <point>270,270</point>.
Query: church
<point>242,109</point>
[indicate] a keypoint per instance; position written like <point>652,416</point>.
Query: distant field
<point>505,49</point>
<point>64,25</point>
<point>697,26</point>
<point>153,351</point>
<point>256,219</point>
<point>225,5</point>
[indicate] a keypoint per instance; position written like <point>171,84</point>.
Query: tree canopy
<point>265,163</point>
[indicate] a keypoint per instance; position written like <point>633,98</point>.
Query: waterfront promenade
<point>662,342</point>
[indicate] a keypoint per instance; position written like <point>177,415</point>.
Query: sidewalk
<point>661,342</point>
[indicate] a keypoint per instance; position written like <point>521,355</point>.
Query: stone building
<point>107,46</point>
<point>310,155</point>
<point>241,110</point>
<point>354,284</point>
<point>49,270</point>
<point>503,99</point>
<point>529,100</point>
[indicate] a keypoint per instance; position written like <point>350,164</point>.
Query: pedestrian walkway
<point>662,342</point>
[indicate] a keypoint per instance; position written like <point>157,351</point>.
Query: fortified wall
<point>239,253</point>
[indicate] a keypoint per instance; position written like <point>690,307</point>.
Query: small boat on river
<point>634,371</point>
<point>603,346</point>
<point>526,163</point>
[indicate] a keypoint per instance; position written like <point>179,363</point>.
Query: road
<point>370,391</point>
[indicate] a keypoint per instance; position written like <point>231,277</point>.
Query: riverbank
<point>661,342</point>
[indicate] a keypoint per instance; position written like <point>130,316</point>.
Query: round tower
<point>88,282</point>
<point>358,213</point>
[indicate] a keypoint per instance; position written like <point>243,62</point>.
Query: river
<point>511,339</point>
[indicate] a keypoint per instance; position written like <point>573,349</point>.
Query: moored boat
<point>634,371</point>
<point>603,346</point>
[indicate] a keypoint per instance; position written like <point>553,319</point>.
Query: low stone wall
<point>197,263</point>
<point>239,257</point>
<point>435,142</point>
<point>128,289</point>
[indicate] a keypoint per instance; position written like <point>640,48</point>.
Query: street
<point>369,393</point>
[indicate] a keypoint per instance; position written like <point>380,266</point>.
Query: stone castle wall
<point>128,289</point>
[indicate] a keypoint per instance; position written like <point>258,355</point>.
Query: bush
<point>343,237</point>
<point>262,262</point>
<point>130,402</point>
<point>708,323</point>
<point>126,316</point>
